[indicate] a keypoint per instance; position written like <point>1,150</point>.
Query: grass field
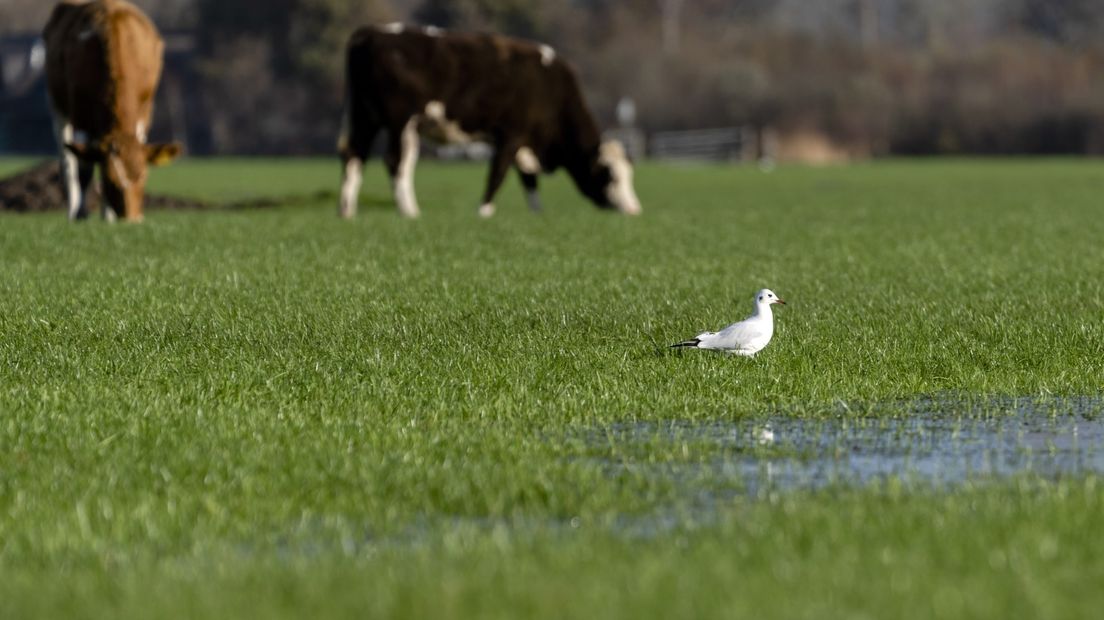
<point>276,413</point>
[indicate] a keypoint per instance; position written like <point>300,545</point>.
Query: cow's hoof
<point>487,210</point>
<point>346,211</point>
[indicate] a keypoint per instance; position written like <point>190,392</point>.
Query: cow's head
<point>123,160</point>
<point>608,179</point>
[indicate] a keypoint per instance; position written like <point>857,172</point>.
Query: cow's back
<point>103,62</point>
<point>486,81</point>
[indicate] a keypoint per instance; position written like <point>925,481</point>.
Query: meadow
<point>273,412</point>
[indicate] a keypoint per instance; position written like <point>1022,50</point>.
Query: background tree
<point>911,76</point>
<point>22,16</point>
<point>518,17</point>
<point>273,70</point>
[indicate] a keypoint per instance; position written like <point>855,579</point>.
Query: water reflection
<point>933,441</point>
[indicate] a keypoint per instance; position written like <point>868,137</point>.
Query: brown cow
<point>518,96</point>
<point>103,62</point>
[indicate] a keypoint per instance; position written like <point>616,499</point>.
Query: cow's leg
<point>354,145</point>
<point>74,191</point>
<point>529,167</point>
<point>107,210</point>
<point>401,157</point>
<point>70,171</point>
<point>501,161</point>
<point>529,182</point>
<point>85,170</point>
<point>351,178</point>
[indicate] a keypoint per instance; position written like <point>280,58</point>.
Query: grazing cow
<point>103,62</point>
<point>518,96</point>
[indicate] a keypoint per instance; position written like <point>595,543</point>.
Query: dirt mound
<point>40,189</point>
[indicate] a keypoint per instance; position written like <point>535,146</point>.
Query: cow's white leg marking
<point>547,54</point>
<point>69,170</point>
<point>441,128</point>
<point>350,187</point>
<point>527,161</point>
<point>487,210</point>
<point>117,165</point>
<point>351,175</point>
<point>140,131</point>
<point>435,110</point>
<point>620,190</point>
<point>404,178</point>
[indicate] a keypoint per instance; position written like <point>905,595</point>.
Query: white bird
<point>747,337</point>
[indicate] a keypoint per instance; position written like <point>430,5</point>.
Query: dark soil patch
<point>39,189</point>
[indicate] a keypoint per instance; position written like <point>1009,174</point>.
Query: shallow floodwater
<point>933,442</point>
<point>927,443</point>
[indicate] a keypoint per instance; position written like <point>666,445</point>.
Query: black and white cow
<point>517,96</point>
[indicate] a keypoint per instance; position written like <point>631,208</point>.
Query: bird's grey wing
<point>705,340</point>
<point>738,334</point>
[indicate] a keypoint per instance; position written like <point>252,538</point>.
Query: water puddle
<point>934,442</point>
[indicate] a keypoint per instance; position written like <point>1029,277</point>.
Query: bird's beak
<point>779,301</point>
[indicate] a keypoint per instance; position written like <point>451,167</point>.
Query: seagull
<point>747,337</point>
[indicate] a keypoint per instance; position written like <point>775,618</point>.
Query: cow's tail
<point>359,120</point>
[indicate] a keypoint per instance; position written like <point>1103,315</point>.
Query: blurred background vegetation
<point>868,77</point>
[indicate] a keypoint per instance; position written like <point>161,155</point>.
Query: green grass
<point>279,413</point>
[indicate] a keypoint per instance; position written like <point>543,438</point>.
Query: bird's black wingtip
<point>693,342</point>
